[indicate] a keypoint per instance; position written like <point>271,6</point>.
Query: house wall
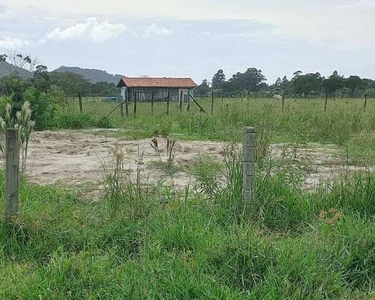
<point>123,93</point>
<point>145,94</point>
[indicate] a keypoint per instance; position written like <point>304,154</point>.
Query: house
<point>156,88</point>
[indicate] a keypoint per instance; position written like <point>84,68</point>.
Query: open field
<point>78,159</point>
<point>303,121</point>
<point>154,243</point>
<point>104,216</point>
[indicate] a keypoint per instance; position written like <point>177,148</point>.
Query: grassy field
<point>289,244</point>
<point>156,243</point>
<point>344,123</point>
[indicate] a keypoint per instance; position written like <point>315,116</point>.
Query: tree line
<point>37,76</point>
<point>300,85</point>
<point>50,94</point>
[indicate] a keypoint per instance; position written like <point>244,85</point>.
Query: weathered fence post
<point>248,164</point>
<point>135,103</point>
<point>283,101</point>
<point>122,109</point>
<point>168,99</point>
<point>80,102</point>
<point>181,100</point>
<point>365,104</point>
<point>152,102</point>
<point>127,98</point>
<point>188,104</point>
<point>212,102</point>
<point>12,173</point>
<point>326,103</point>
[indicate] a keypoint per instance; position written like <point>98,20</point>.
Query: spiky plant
<point>171,143</point>
<point>25,126</point>
<point>154,145</point>
<point>114,177</point>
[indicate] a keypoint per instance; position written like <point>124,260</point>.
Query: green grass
<point>344,123</point>
<point>289,244</point>
<point>151,243</point>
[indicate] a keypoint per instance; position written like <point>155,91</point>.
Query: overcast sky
<point>195,38</point>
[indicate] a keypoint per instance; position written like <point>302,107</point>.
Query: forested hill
<point>6,68</point>
<point>91,75</point>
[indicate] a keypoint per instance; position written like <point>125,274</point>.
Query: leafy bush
<point>73,121</point>
<point>67,119</point>
<point>44,107</point>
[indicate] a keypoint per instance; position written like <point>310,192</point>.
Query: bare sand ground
<point>75,159</point>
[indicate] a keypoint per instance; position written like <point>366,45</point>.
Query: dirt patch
<point>320,163</point>
<point>75,159</point>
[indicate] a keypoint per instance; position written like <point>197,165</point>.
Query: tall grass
<point>143,242</point>
<point>344,123</point>
<point>292,245</point>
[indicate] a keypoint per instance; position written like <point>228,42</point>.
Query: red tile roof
<point>162,82</point>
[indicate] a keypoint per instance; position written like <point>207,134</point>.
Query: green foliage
<point>296,245</point>
<point>68,119</point>
<point>250,80</point>
<point>104,89</point>
<point>207,174</point>
<point>71,83</point>
<point>218,79</point>
<point>203,89</point>
<point>44,106</point>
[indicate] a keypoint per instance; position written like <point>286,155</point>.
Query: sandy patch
<point>75,159</point>
<point>320,163</point>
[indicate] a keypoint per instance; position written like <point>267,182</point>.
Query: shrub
<point>44,107</point>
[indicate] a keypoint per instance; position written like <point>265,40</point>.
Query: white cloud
<point>362,3</point>
<point>154,29</point>
<point>12,43</point>
<point>91,29</point>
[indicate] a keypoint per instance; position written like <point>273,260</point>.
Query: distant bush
<point>75,120</point>
<point>44,106</point>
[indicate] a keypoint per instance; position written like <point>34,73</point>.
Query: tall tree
<point>333,83</point>
<point>203,89</point>
<point>250,80</point>
<point>278,82</point>
<point>353,83</point>
<point>297,74</point>
<point>21,60</point>
<point>218,79</point>
<point>308,83</point>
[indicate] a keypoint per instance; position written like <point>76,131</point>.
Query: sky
<point>195,38</point>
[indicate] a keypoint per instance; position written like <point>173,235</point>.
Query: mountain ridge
<point>92,75</point>
<point>6,69</point>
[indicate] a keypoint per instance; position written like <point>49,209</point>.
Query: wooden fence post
<point>135,103</point>
<point>127,98</point>
<point>248,164</point>
<point>152,102</point>
<point>188,104</point>
<point>283,101</point>
<point>181,100</point>
<point>168,99</point>
<point>365,104</point>
<point>80,102</point>
<point>326,103</point>
<point>212,102</point>
<point>12,173</point>
<point>122,109</point>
